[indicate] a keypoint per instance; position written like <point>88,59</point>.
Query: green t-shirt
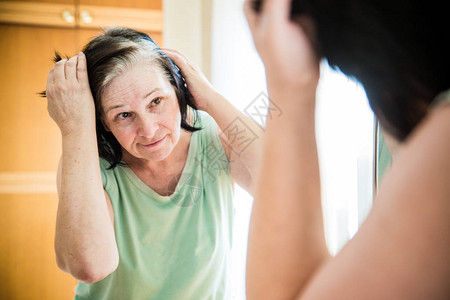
<point>177,246</point>
<point>384,158</point>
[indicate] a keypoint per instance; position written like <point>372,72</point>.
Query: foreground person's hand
<point>285,46</point>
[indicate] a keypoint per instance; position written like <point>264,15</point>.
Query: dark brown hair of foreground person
<point>397,49</point>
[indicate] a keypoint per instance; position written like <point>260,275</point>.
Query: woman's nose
<point>147,127</point>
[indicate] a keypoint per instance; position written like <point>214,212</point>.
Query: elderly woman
<point>145,181</point>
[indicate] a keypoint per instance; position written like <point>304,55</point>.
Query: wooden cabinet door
<point>30,141</point>
<point>29,154</point>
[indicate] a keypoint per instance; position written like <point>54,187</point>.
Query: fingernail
<point>81,53</point>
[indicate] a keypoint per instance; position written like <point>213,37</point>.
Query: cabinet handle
<point>67,16</point>
<point>86,17</point>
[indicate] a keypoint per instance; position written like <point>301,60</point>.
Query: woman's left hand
<point>197,83</point>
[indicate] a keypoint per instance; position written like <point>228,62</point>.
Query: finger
<point>70,68</point>
<point>179,59</point>
<point>174,51</point>
<point>176,56</point>
<point>50,76</point>
<point>58,71</point>
<point>82,75</point>
<point>277,10</point>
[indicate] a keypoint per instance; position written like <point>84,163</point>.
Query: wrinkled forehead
<point>136,81</point>
<point>140,62</point>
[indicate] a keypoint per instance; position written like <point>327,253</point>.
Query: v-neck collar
<point>193,144</point>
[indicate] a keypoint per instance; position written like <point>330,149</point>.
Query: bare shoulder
<point>402,251</point>
<point>427,150</point>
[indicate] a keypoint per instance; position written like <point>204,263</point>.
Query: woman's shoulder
<point>109,175</point>
<point>428,147</point>
<point>203,119</point>
<point>210,141</point>
<point>105,166</point>
<point>417,188</point>
<point>208,126</point>
<point>409,225</point>
<point>435,128</point>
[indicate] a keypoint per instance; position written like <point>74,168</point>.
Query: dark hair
<point>107,56</point>
<point>397,49</point>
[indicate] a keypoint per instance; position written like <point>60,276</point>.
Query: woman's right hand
<point>69,98</point>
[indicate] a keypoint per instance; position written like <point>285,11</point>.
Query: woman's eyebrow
<point>113,107</point>
<point>120,105</point>
<point>152,91</point>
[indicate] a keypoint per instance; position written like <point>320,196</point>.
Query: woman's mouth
<point>151,145</point>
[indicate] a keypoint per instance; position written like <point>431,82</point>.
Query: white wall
<point>187,25</point>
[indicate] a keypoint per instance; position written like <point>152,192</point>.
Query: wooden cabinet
<point>30,148</point>
<point>144,15</point>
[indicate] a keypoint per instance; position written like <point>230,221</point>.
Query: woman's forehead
<point>137,80</point>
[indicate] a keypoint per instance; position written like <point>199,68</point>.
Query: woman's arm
<point>286,237</point>
<point>241,137</point>
<point>84,240</point>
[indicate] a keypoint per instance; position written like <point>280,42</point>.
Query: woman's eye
<point>155,102</point>
<point>123,116</point>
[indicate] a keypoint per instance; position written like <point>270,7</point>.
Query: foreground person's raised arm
<point>286,238</point>
<point>84,240</point>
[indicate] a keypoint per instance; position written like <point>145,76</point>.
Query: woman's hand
<point>69,98</point>
<point>197,83</point>
<point>286,244</point>
<point>286,47</point>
